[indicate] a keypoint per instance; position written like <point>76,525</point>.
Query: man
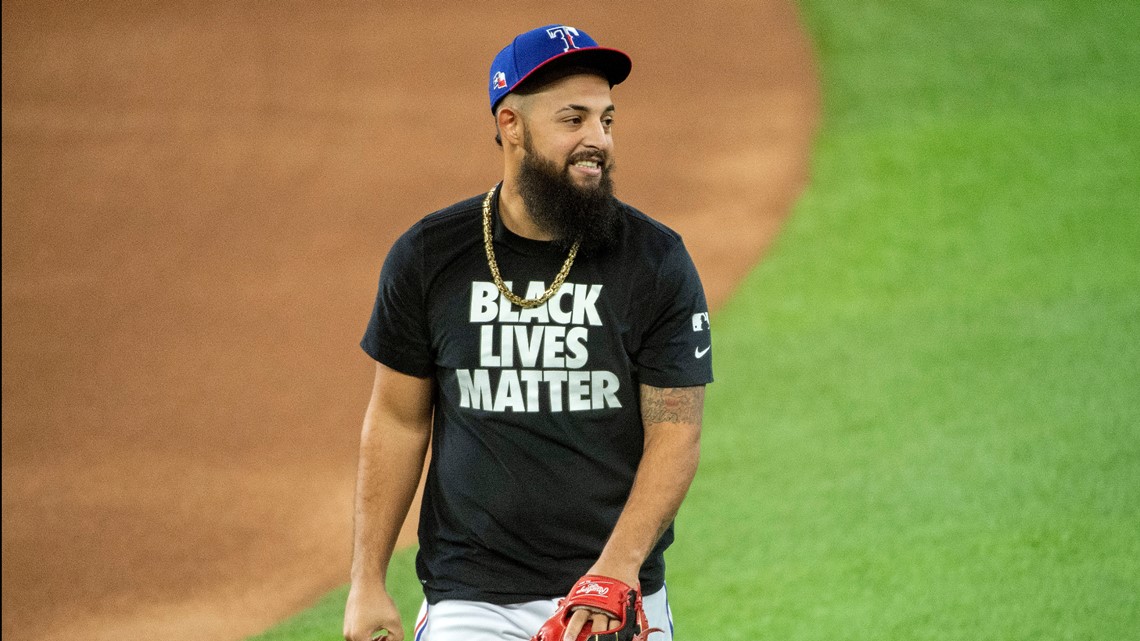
<point>552,345</point>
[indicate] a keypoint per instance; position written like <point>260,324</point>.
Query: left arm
<point>672,423</point>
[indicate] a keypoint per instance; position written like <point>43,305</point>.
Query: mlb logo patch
<point>499,81</point>
<point>700,321</point>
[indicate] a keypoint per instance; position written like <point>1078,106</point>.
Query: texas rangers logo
<point>566,33</point>
<point>499,81</point>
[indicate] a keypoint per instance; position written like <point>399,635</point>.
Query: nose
<point>597,136</point>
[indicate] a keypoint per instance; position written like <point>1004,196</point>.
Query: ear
<point>510,124</point>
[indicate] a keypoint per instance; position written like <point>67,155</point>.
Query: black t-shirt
<point>537,430</point>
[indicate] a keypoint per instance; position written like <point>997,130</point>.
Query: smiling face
<point>562,151</point>
<point>567,122</point>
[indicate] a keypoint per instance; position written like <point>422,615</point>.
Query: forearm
<point>672,420</point>
<point>391,461</point>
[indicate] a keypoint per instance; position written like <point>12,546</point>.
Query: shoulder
<point>650,239</point>
<point>443,227</point>
<point>647,229</point>
<point>659,250</point>
<point>460,214</point>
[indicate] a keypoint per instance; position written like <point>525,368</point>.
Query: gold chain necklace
<point>525,303</point>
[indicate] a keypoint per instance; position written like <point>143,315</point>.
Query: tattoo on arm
<point>672,404</point>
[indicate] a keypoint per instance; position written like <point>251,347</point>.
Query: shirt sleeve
<point>676,350</point>
<point>397,334</point>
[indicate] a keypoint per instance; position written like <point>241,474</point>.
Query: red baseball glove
<point>601,594</point>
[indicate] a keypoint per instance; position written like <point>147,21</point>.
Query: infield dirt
<point>197,197</point>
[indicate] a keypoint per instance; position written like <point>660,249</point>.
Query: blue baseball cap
<point>537,48</point>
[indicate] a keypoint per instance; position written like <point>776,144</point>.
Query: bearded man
<point>551,343</point>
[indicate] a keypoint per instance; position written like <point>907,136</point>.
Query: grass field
<point>926,423</point>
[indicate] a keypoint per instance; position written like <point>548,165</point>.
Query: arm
<point>672,420</point>
<point>393,443</point>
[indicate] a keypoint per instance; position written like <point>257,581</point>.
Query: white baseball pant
<point>479,621</point>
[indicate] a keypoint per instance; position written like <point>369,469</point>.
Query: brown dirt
<point>196,200</point>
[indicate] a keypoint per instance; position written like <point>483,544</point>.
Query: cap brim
<point>615,65</point>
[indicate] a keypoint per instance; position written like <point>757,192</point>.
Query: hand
<point>370,611</point>
<point>597,605</point>
<point>599,622</point>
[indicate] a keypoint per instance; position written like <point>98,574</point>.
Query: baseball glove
<point>600,594</point>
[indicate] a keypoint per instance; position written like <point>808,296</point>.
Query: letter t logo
<point>566,33</point>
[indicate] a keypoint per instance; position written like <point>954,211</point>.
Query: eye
<point>607,122</point>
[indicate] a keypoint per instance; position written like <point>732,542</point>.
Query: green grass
<point>325,620</point>
<point>940,435</point>
<point>926,423</point>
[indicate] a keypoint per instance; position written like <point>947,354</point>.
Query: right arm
<point>393,444</point>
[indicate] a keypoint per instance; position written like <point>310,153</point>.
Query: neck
<point>514,214</point>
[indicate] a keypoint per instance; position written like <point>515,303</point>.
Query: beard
<point>565,210</point>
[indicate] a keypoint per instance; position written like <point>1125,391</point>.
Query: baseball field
<point>926,420</point>
<point>926,423</point>
<point>197,200</point>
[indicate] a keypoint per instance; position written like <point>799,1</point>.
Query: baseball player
<point>552,345</point>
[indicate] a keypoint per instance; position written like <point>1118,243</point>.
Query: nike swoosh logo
<point>699,353</point>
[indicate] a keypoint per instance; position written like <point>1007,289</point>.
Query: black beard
<point>563,209</point>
